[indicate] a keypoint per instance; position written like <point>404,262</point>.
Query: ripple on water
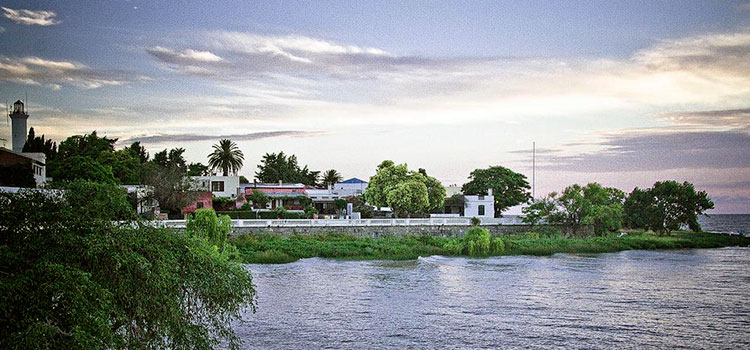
<point>634,299</point>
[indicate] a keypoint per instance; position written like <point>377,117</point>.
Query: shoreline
<point>276,249</point>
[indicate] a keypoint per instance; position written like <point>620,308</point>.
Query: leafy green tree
<point>638,209</point>
<point>39,144</point>
<point>310,211</point>
<point>331,177</point>
<point>539,210</point>
<point>72,277</point>
<point>674,204</point>
<point>171,159</point>
<point>259,199</point>
<point>359,205</point>
<point>139,151</point>
<point>508,187</point>
<point>226,156</point>
<point>206,224</point>
<point>592,204</point>
<point>408,197</point>
<point>83,168</point>
<point>244,180</point>
<point>197,169</point>
<point>278,167</point>
<point>89,145</point>
<point>389,177</point>
<point>126,167</point>
<point>168,186</point>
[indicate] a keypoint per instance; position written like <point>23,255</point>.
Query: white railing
<point>460,221</point>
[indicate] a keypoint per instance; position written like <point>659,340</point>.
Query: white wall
<point>472,204</point>
<point>231,184</point>
<point>348,190</point>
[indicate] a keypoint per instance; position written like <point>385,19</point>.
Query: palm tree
<point>226,156</point>
<point>331,177</point>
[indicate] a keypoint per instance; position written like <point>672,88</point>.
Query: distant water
<point>683,299</point>
<point>726,223</point>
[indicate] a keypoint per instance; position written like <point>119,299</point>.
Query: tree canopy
<point>330,177</point>
<point>406,192</point>
<point>275,167</point>
<point>666,207</point>
<point>39,144</point>
<point>508,187</point>
<point>72,277</point>
<point>226,156</point>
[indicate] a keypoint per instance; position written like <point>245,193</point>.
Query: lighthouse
<point>18,129</point>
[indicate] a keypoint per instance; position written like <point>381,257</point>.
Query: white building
<point>349,188</point>
<point>35,160</point>
<point>220,186</point>
<point>480,206</point>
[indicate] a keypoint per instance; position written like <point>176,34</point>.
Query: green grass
<point>274,249</point>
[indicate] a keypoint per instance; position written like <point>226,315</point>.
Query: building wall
<point>472,204</point>
<point>204,200</point>
<point>384,231</point>
<point>231,184</point>
<point>349,189</point>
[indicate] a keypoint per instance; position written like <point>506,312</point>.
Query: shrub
<point>204,223</point>
<point>477,242</point>
<point>475,221</point>
<point>279,212</point>
<point>310,211</point>
<point>498,246</point>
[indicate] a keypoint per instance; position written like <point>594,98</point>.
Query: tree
<point>169,186</point>
<point>638,209</point>
<point>674,204</point>
<point>592,204</point>
<point>359,205</point>
<point>387,179</point>
<point>331,177</point>
<point>89,145</point>
<point>408,197</point>
<point>139,151</point>
<point>72,277</point>
<point>197,169</point>
<point>124,164</point>
<point>39,144</point>
<point>79,149</point>
<point>259,199</point>
<point>83,168</point>
<point>206,224</point>
<point>226,156</point>
<point>508,187</point>
<point>278,167</point>
<point>171,159</point>
<point>539,210</point>
<point>244,180</point>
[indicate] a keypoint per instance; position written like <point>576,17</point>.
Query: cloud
<point>728,118</point>
<point>38,71</point>
<point>187,56</point>
<point>162,138</point>
<point>661,151</point>
<point>30,17</point>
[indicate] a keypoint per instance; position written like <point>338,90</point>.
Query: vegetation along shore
<point>272,248</point>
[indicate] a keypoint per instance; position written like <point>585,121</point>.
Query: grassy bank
<point>269,248</point>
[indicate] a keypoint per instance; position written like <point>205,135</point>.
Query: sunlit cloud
<point>49,73</point>
<point>30,17</point>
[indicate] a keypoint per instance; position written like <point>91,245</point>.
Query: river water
<point>688,299</point>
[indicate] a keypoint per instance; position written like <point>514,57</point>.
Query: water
<point>726,223</point>
<point>687,299</point>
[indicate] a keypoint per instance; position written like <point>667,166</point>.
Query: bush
<point>477,242</point>
<point>475,221</point>
<point>310,211</point>
<point>498,246</point>
<point>72,278</point>
<point>204,223</point>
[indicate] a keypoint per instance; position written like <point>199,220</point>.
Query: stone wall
<point>381,231</point>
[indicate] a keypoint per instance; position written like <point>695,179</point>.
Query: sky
<point>624,93</point>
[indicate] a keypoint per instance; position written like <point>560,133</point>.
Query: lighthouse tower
<point>18,129</point>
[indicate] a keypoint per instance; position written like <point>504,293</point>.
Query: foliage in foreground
<point>72,278</point>
<point>273,248</point>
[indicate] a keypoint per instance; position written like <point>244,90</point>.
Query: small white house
<point>480,206</point>
<point>349,188</point>
<point>220,186</point>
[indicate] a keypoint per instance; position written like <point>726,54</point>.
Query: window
<point>480,210</point>
<point>199,205</point>
<point>481,197</point>
<point>217,186</point>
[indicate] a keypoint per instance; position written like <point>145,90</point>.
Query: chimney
<point>489,191</point>
<point>280,183</point>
